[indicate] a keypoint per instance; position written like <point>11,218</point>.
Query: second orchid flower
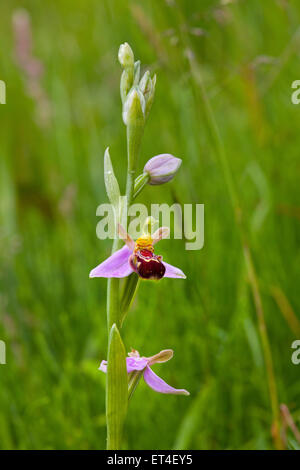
<point>138,257</point>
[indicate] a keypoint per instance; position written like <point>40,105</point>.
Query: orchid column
<point>136,260</point>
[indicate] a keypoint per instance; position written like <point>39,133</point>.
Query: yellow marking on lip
<point>144,243</point>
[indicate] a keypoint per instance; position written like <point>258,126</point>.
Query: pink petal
<point>103,366</point>
<point>116,265</point>
<point>172,271</point>
<point>133,363</point>
<point>159,385</point>
<point>136,363</point>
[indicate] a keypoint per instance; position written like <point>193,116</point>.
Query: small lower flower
<point>135,363</point>
<point>138,257</point>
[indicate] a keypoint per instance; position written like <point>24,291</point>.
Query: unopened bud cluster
<point>137,93</point>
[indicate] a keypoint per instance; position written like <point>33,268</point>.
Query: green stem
<point>129,291</point>
<point>115,395</point>
<point>113,295</point>
<point>117,384</point>
<point>114,428</point>
<point>133,382</point>
<point>134,137</point>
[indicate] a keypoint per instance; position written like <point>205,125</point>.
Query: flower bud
<point>137,71</point>
<point>146,84</point>
<point>125,55</point>
<point>162,168</point>
<point>147,87</point>
<point>150,96</point>
<point>126,83</point>
<point>134,108</point>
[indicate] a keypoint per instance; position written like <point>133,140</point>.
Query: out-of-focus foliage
<point>54,129</point>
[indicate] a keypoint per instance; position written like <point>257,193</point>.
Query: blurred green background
<point>225,65</point>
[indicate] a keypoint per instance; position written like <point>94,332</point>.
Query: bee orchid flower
<point>138,257</point>
<point>141,366</point>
